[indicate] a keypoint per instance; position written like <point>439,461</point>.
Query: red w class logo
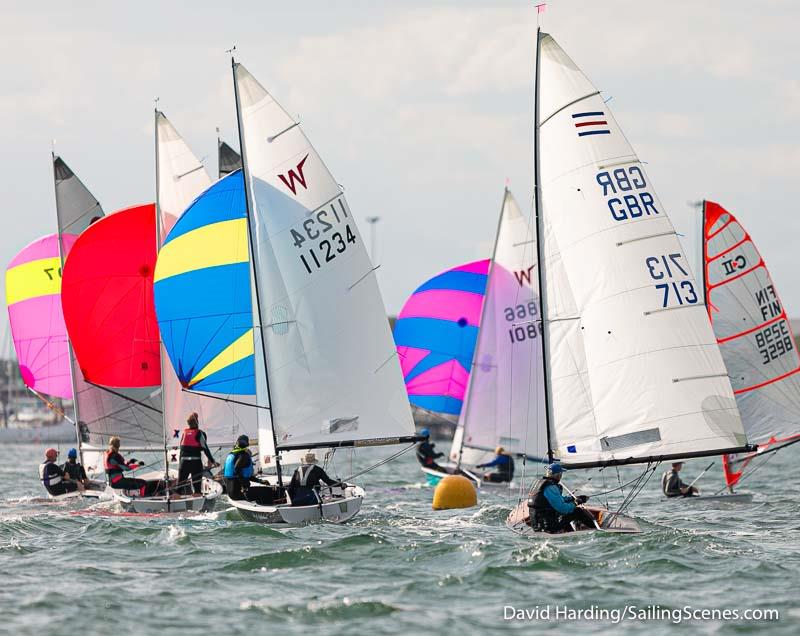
<point>292,178</point>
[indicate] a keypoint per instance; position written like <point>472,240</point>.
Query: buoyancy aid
<point>190,443</point>
<point>45,476</point>
<point>543,515</point>
<point>229,472</point>
<point>113,470</point>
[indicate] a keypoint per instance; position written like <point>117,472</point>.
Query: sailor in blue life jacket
<point>552,511</point>
<point>74,469</point>
<point>238,469</point>
<point>193,444</point>
<point>52,476</point>
<point>304,487</point>
<point>116,466</point>
<point>673,486</point>
<point>426,455</point>
<point>504,464</point>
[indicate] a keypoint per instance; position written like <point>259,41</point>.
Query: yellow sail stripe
<point>222,243</point>
<point>33,279</point>
<point>237,350</point>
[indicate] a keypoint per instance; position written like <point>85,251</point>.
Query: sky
<point>422,110</point>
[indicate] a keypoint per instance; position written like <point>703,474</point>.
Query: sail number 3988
<point>327,233</point>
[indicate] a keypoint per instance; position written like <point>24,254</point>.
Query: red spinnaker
<point>107,297</point>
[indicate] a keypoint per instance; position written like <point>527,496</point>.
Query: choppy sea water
<point>399,567</point>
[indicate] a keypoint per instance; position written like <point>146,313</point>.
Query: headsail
<point>33,296</point>
<point>505,399</point>
<point>635,373</point>
<point>334,378</point>
<point>99,414</point>
<point>228,159</point>
<point>753,333</point>
<point>435,334</point>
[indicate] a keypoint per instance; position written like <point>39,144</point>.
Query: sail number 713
<point>664,269</point>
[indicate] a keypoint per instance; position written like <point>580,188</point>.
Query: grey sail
<point>132,414</point>
<point>229,159</point>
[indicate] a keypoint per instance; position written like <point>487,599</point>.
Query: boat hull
<point>733,498</point>
<point>433,477</point>
<point>173,503</point>
<point>337,509</point>
<point>609,523</point>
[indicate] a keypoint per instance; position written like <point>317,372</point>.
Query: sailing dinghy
<point>632,370</point>
<point>326,367</point>
<point>755,338</point>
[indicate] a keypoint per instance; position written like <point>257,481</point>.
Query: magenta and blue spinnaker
<point>435,334</point>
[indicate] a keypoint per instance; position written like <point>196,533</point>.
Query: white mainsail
<point>753,333</point>
<point>504,403</point>
<point>99,413</point>
<point>332,371</point>
<point>181,179</point>
<point>634,371</point>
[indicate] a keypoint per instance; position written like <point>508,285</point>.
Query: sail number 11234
<point>324,235</point>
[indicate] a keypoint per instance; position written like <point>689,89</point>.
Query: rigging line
<point>620,487</point>
<point>50,405</point>
<point>223,399</point>
<point>380,463</point>
<point>125,397</point>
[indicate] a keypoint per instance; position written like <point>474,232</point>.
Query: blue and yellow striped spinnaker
<point>202,293</point>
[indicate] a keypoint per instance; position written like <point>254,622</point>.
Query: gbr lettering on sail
<point>627,197</point>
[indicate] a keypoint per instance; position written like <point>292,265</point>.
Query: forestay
<point>333,373</point>
<point>505,400</point>
<point>635,372</point>
<point>99,414</point>
<point>753,333</point>
<point>33,297</point>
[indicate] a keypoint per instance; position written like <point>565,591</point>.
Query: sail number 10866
<point>327,233</point>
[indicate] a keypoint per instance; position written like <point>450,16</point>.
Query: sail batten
<point>612,260</point>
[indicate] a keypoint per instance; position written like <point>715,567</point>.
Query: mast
<point>69,343</point>
<point>537,201</point>
<point>160,345</point>
<point>250,222</point>
<point>703,254</point>
<point>483,313</point>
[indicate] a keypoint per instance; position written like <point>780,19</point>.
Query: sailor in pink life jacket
<point>193,444</point>
<point>116,466</point>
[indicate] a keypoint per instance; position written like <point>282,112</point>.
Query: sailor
<point>672,485</point>
<point>238,469</point>
<point>304,487</point>
<point>426,455</point>
<point>74,469</point>
<point>550,510</point>
<point>53,478</point>
<point>116,466</point>
<point>193,444</point>
<point>504,464</point>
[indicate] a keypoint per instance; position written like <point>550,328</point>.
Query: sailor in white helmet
<point>304,487</point>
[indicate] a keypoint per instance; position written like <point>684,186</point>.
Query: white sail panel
<point>649,365</point>
<point>181,179</point>
<point>752,330</point>
<point>505,397</point>
<point>333,371</point>
<point>181,176</point>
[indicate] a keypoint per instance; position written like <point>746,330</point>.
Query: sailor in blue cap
<point>425,454</point>
<point>552,511</point>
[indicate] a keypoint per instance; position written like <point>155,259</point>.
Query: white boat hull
<point>172,503</point>
<point>609,523</point>
<point>338,508</point>
<point>733,498</point>
<point>95,490</point>
<point>434,477</point>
